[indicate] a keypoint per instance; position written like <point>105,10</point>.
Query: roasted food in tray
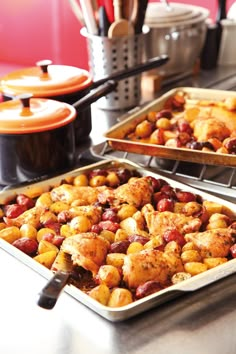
<point>196,125</point>
<point>123,232</point>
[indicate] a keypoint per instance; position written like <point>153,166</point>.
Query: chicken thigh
<point>150,264</point>
<point>212,243</point>
<point>159,222</point>
<point>137,192</point>
<point>68,193</point>
<point>87,250</point>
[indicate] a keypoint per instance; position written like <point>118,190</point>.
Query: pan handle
<point>49,295</point>
<point>138,69</point>
<point>91,97</point>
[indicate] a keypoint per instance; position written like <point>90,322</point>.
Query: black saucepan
<point>66,84</point>
<point>37,135</point>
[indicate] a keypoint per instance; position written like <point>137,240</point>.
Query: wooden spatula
<point>120,27</point>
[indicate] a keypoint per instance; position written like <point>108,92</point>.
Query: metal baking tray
<point>116,135</point>
<point>144,304</point>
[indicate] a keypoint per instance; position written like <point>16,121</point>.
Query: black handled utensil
<point>136,70</point>
<point>49,295</point>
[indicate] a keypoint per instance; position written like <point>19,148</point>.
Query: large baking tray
<point>116,135</point>
<point>139,306</point>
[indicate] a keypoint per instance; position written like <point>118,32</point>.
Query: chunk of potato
<point>126,211</point>
<point>45,246</point>
<point>115,259</point>
<point>44,200</point>
<point>155,242</point>
<point>134,247</point>
<point>108,235</point>
<point>131,226</point>
<point>214,262</point>
<point>28,230</point>
<point>190,256</point>
<point>189,246</point>
<point>10,234</point>
<point>109,275</point>
<point>80,223</point>
<point>46,259</point>
<point>173,246</point>
<point>81,180</point>
<point>121,235</point>
<point>2,225</point>
<point>101,293</point>
<point>212,207</point>
<point>120,297</point>
<point>44,231</point>
<point>66,231</point>
<point>59,206</point>
<point>179,277</point>
<point>195,268</point>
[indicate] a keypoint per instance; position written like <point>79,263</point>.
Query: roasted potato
<point>120,297</point>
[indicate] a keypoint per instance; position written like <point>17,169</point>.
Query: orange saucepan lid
<point>46,80</point>
<point>30,115</point>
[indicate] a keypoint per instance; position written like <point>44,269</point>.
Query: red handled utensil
<point>108,4</point>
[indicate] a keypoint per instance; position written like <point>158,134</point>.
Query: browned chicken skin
<point>87,250</point>
<point>93,213</point>
<point>150,264</point>
<point>31,216</point>
<point>210,128</point>
<point>137,192</point>
<point>159,222</point>
<point>212,243</point>
<point>68,193</point>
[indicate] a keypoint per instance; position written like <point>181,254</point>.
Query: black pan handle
<point>51,292</point>
<point>152,63</point>
<point>93,96</point>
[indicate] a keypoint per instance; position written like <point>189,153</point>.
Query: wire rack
<point>218,180</point>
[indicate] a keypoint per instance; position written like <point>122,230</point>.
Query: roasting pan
<point>144,304</point>
<point>116,136</point>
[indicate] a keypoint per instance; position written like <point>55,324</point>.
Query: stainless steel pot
<point>179,30</point>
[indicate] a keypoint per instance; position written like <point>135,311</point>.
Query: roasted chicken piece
<point>31,216</point>
<point>212,243</point>
<point>150,264</point>
<point>137,192</point>
<point>159,222</point>
<point>92,212</point>
<point>87,250</point>
<point>67,193</point>
<point>210,128</point>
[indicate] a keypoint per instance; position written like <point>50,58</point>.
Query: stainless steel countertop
<point>199,323</point>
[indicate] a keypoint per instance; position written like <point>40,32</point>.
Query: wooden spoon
<point>127,8</point>
<point>121,27</point>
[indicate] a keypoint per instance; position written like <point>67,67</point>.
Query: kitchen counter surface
<point>202,322</point>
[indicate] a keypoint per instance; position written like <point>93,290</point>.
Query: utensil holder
<point>109,55</point>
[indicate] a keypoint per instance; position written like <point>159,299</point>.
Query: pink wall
<point>32,30</point>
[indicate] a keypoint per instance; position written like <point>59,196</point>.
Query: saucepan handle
<point>94,95</point>
<point>149,64</point>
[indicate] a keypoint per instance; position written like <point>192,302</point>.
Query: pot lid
<point>46,80</point>
<point>174,12</point>
<point>30,115</point>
